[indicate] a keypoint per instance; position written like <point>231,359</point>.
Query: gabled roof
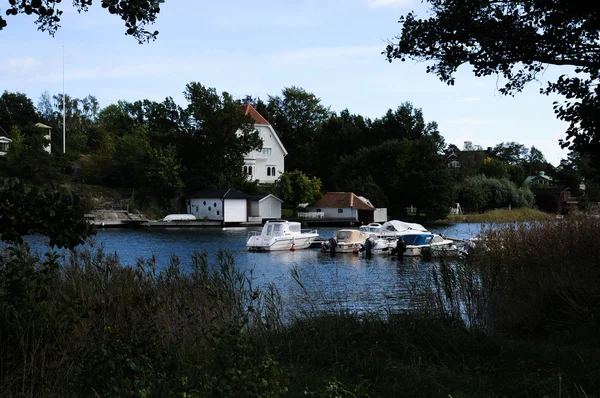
<point>260,198</point>
<point>341,200</point>
<point>530,179</point>
<point>258,118</point>
<point>3,132</point>
<point>223,193</point>
<point>42,126</point>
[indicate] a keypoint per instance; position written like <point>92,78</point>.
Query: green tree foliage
<point>493,168</point>
<point>131,158</point>
<point>219,134</point>
<point>163,173</point>
<point>297,117</point>
<point>16,110</point>
<point>516,40</point>
<point>53,212</point>
<point>480,193</point>
<point>27,158</point>
<point>136,14</point>
<point>294,187</point>
<point>510,152</point>
<point>410,172</point>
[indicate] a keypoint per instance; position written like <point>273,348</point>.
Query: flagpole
<point>64,109</point>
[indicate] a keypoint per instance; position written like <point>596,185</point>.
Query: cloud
<point>386,3</point>
<point>468,99</point>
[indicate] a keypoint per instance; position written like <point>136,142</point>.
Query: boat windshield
<point>417,239</point>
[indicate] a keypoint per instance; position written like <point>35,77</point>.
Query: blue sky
<point>331,48</point>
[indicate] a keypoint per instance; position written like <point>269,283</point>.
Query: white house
<point>267,164</point>
<point>343,205</point>
<point>4,142</point>
<point>227,205</point>
<point>48,136</point>
<point>264,207</point>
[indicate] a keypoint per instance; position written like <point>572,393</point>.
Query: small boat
<point>371,228</point>
<point>429,244</point>
<point>399,228</point>
<point>345,241</point>
<point>281,235</point>
<point>179,217</point>
<point>376,245</point>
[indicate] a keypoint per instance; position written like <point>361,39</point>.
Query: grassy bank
<point>519,318</point>
<point>503,215</point>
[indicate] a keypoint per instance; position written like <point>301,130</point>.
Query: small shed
<point>265,207</point>
<point>227,205</point>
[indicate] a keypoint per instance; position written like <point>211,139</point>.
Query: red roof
<point>341,200</point>
<point>258,119</point>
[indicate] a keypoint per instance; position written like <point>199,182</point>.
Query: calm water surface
<point>348,281</point>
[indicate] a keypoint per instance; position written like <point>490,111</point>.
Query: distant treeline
<point>165,150</point>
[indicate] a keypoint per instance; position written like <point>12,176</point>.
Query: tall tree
<point>516,39</point>
<point>297,117</point>
<point>136,14</point>
<point>219,134</point>
<point>16,109</point>
<point>510,152</point>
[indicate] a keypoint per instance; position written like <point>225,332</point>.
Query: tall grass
<point>90,327</point>
<point>505,322</point>
<point>525,279</point>
<point>522,214</point>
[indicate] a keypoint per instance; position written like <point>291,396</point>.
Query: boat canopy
<point>417,239</point>
<point>401,226</point>
<point>349,235</point>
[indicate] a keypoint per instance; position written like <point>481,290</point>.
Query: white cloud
<point>468,99</point>
<point>386,3</point>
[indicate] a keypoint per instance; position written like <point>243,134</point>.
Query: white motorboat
<point>376,245</point>
<point>429,244</point>
<point>345,241</point>
<point>281,235</point>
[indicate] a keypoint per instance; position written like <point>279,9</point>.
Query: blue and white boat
<point>434,245</point>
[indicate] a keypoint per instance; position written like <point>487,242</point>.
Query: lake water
<point>349,281</point>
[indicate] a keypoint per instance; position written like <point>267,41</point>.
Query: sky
<point>331,48</point>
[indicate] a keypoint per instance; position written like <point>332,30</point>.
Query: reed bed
<point>522,214</point>
<point>518,318</point>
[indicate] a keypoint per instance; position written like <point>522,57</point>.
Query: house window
<point>454,163</point>
<point>266,151</point>
<point>318,210</point>
<point>245,169</point>
<point>268,171</point>
<point>249,170</point>
<point>340,210</point>
<point>273,171</point>
<point>3,146</point>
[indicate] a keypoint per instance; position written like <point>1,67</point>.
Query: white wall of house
<point>380,215</point>
<point>331,212</point>
<point>236,210</point>
<point>267,164</point>
<point>4,145</point>
<point>270,207</point>
<point>210,208</point>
